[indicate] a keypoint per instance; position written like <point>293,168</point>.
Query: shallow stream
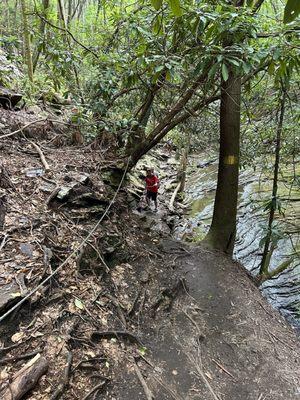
<point>283,291</point>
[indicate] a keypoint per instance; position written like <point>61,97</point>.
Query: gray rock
<point>10,294</point>
<point>34,172</point>
<point>26,249</point>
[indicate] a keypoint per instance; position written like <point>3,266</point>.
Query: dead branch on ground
<point>147,391</point>
<point>117,335</point>
<point>25,379</point>
<point>41,154</point>
<point>65,379</point>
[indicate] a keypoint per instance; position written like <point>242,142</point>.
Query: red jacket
<point>150,182</point>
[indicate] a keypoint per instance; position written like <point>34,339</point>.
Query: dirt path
<point>220,340</point>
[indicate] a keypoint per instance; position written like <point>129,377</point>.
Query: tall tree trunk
<point>65,27</point>
<point>70,8</point>
<point>223,227</point>
<point>264,267</point>
<point>26,39</point>
<point>42,29</point>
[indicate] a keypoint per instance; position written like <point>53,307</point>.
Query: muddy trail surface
<point>134,314</point>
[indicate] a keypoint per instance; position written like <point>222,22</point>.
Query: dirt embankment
<point>134,314</point>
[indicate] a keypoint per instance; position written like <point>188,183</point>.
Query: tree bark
<point>65,27</point>
<point>26,39</point>
<point>222,232</point>
<point>137,135</point>
<point>184,162</point>
<point>264,267</point>
<point>26,378</point>
<point>42,29</point>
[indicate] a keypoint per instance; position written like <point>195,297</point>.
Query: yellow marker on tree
<point>230,160</point>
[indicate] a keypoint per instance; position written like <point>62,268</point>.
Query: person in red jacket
<point>152,185</point>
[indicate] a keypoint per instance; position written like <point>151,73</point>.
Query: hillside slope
<point>137,311</point>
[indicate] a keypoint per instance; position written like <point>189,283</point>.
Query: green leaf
<point>175,7</point>
<point>79,304</point>
<point>246,67</point>
<point>291,11</point>
<point>271,68</point>
<point>168,76</point>
<point>156,4</point>
<point>233,61</point>
<point>158,27</point>
<point>213,71</point>
<point>159,68</point>
<point>224,72</point>
<point>143,350</point>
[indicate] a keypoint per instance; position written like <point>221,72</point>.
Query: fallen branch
<point>70,34</point>
<point>200,334</point>
<point>7,360</point>
<point>23,127</point>
<point>148,393</point>
<point>116,334</point>
<point>25,379</point>
<point>222,368</point>
<point>171,204</point>
<point>202,375</point>
<point>96,388</point>
<point>41,154</point>
<point>118,306</point>
<point>65,380</point>
<point>13,346</point>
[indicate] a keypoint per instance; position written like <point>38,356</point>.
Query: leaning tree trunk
<point>222,232</point>
<point>26,39</point>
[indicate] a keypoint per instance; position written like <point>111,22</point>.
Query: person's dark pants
<point>151,196</point>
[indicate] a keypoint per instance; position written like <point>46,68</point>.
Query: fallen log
<point>25,379</point>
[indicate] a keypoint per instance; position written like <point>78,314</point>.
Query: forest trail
<point>218,340</point>
<point>185,321</point>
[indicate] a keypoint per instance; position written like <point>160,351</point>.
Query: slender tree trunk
<point>98,9</point>
<point>42,29</point>
<point>264,267</point>
<point>184,162</point>
<point>64,22</point>
<point>223,227</point>
<point>70,8</point>
<point>26,39</point>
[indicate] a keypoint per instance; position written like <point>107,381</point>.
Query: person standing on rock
<point>152,185</point>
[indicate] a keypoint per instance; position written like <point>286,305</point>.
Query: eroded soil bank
<point>157,319</point>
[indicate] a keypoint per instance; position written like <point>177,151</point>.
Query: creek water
<point>282,291</point>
